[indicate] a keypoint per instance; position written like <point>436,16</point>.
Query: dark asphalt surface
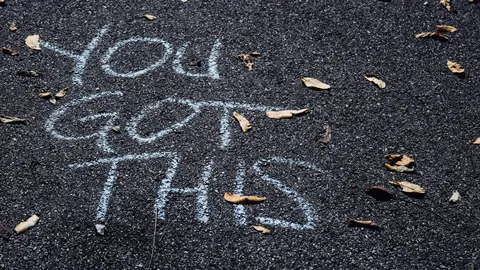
<point>425,112</point>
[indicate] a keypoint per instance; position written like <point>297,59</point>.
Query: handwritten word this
<point>108,119</point>
<point>81,59</point>
<point>167,187</point>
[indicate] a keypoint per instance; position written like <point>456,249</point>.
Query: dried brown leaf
<point>475,141</point>
<point>286,114</point>
<point>13,27</point>
<point>150,17</point>
<point>446,4</point>
<point>362,223</point>
<point>255,53</point>
<point>455,197</point>
<point>375,80</point>
<point>433,35</point>
<point>455,67</point>
<point>25,225</point>
<point>10,51</point>
<point>33,42</point>
<point>446,28</point>
<point>314,83</point>
<point>29,73</point>
<point>379,193</point>
<point>10,119</point>
<point>61,93</point>
<point>408,187</point>
<point>244,124</point>
<point>239,199</point>
<point>261,229</point>
<point>326,136</point>
<point>400,163</point>
<point>247,60</point>
<point>45,95</point>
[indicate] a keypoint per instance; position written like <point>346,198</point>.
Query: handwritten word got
<point>81,60</point>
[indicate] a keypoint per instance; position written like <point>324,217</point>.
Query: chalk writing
<point>80,60</point>
<point>101,134</point>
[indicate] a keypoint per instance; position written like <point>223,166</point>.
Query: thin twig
<point>154,235</point>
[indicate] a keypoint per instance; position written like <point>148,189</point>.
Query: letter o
<point>111,51</point>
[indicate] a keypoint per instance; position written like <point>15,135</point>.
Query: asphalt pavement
<point>146,133</point>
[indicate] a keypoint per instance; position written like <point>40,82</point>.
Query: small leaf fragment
<point>408,187</point>
<point>247,60</point>
<point>375,80</point>
<point>362,223</point>
<point>33,42</point>
<point>239,199</point>
<point>261,229</point>
<point>100,229</point>
<point>10,119</point>
<point>255,53</point>
<point>433,35</point>
<point>446,28</point>
<point>25,225</point>
<point>475,141</point>
<point>379,193</point>
<point>116,129</point>
<point>400,163</point>
<point>13,27</point>
<point>314,83</point>
<point>455,67</point>
<point>446,4</point>
<point>10,51</point>
<point>326,136</point>
<point>61,93</point>
<point>286,114</point>
<point>45,95</point>
<point>455,197</point>
<point>29,73</point>
<point>150,17</point>
<point>53,100</point>
<point>244,124</point>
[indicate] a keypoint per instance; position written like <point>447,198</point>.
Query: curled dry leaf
<point>379,193</point>
<point>475,141</point>
<point>446,4</point>
<point>25,225</point>
<point>33,42</point>
<point>45,95</point>
<point>53,100</point>
<point>408,187</point>
<point>29,73</point>
<point>13,27</point>
<point>247,60</point>
<point>10,119</point>
<point>433,35</point>
<point>375,79</point>
<point>150,17</point>
<point>244,124</point>
<point>261,229</point>
<point>400,163</point>
<point>100,229</point>
<point>314,83</point>
<point>455,197</point>
<point>362,223</point>
<point>239,199</point>
<point>455,67</point>
<point>116,129</point>
<point>61,93</point>
<point>326,136</point>
<point>446,28</point>
<point>9,51</point>
<point>286,114</point>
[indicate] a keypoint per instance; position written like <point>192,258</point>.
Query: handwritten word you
<point>81,59</point>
